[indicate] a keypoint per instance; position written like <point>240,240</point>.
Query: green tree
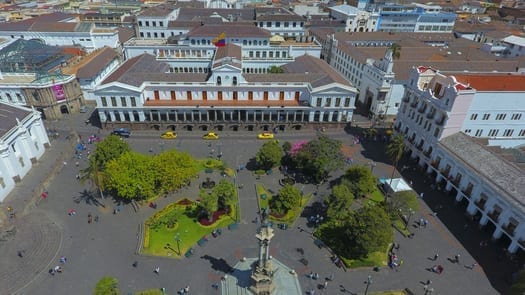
<point>339,203</point>
<point>367,230</point>
<point>225,192</point>
<point>269,155</point>
<point>96,177</point>
<point>174,169</point>
<point>276,70</point>
<point>208,203</point>
<point>107,286</point>
<point>108,149</point>
<point>518,286</point>
<point>319,157</point>
<point>287,146</point>
<point>132,176</point>
<point>395,150</point>
<point>360,181</point>
<point>288,197</point>
<point>396,51</point>
<point>400,203</point>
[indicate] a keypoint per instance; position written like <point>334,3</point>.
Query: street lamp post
<point>368,283</point>
<point>410,214</point>
<point>177,238</point>
<point>372,166</point>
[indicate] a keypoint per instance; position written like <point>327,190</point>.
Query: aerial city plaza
<point>263,148</point>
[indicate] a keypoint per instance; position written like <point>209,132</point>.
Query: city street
<point>108,247</point>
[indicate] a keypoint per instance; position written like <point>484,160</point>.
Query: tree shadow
<point>89,198</point>
<point>251,165</point>
<point>219,264</point>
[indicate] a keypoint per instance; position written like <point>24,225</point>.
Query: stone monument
<point>262,276</point>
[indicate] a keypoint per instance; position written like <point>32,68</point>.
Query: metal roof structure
<point>23,56</point>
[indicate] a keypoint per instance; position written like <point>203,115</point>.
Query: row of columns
<point>472,209</point>
<point>192,116</point>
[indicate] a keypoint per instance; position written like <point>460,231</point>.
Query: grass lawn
<point>373,259</point>
<point>187,228</point>
<point>262,191</point>
<point>400,226</point>
<point>290,216</point>
<point>377,196</point>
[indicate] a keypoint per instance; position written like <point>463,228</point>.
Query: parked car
<point>265,135</point>
<point>169,135</point>
<point>211,135</point>
<point>123,132</point>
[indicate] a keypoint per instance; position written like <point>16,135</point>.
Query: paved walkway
<point>108,247</point>
<point>33,233</point>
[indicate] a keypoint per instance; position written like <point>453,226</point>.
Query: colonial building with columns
<point>144,92</point>
<point>23,140</point>
<point>467,132</point>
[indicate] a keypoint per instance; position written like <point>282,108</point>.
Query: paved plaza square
<point>44,231</point>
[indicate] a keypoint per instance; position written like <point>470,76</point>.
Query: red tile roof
<point>493,82</point>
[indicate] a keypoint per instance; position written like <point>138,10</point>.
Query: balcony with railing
<point>510,229</point>
<point>427,153</point>
<point>522,242</point>
<point>414,104</point>
<point>441,121</point>
<point>456,181</point>
<point>412,139</point>
<point>494,215</point>
<point>422,109</point>
<point>467,191</point>
<point>445,172</point>
<point>435,164</point>
<point>481,203</point>
<point>406,98</point>
<point>431,115</point>
<point>420,146</point>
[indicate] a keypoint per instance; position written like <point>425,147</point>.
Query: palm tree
<point>96,176</point>
<point>395,150</point>
<point>396,50</point>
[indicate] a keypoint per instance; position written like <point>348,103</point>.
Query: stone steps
<point>40,239</point>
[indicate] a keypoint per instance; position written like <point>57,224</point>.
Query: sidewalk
<point>31,240</point>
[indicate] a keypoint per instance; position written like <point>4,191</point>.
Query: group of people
<point>58,268</point>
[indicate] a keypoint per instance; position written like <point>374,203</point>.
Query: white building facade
<point>226,95</point>
<point>436,111</point>
<point>23,141</point>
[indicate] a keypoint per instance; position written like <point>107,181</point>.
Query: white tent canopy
<point>397,185</point>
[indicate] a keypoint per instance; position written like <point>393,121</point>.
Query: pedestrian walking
<point>20,253</point>
<point>331,277</point>
<point>436,256</point>
<point>456,258</point>
<point>421,195</point>
<point>157,270</point>
<point>472,265</point>
<point>316,276</point>
<point>63,259</point>
<point>325,285</point>
<point>428,282</point>
<point>135,264</point>
<point>186,289</point>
